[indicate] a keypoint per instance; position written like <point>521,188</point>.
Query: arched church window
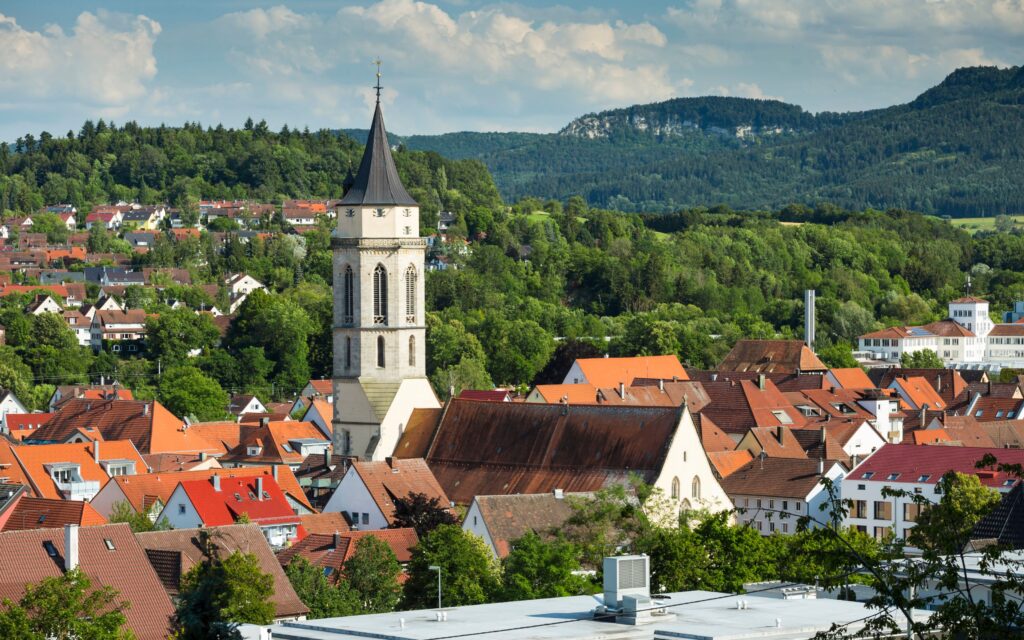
<point>412,351</point>
<point>695,488</point>
<point>410,295</point>
<point>348,296</point>
<point>380,351</point>
<point>675,488</point>
<point>380,295</point>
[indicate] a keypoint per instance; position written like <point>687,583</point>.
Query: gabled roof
<point>223,435</point>
<point>238,495</point>
<point>173,553</point>
<point>778,442</point>
<point>948,383</point>
<point>1005,523</point>
<point>327,522</point>
<point>780,356</point>
<point>949,328</point>
<point>395,478</point>
<point>966,431</point>
<point>274,440</point>
<point>989,408</point>
<point>487,395</point>
<point>49,513</point>
<point>852,378</point>
<point>573,393</point>
<point>168,462</point>
<point>919,393</point>
<point>34,460</point>
<point>510,517</point>
<point>911,463</point>
<point>490,448</point>
<point>330,552</point>
<point>610,372</point>
<point>736,407</point>
<point>1005,433</point>
<point>727,462</point>
<point>149,425</point>
<point>377,181</point>
<point>774,477</point>
<point>10,469</point>
<point>929,436</point>
<point>121,564</point>
<point>324,387</point>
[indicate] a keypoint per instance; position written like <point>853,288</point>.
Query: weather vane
<point>378,62</point>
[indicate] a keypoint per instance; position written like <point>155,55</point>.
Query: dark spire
<point>350,179</point>
<point>378,87</point>
<point>377,181</point>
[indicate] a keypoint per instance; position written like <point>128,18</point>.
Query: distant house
<point>501,520</point>
<point>323,388</point>
<point>240,284</point>
<point>43,304</point>
<point>76,471</point>
<point>245,403</point>
<point>611,372</point>
<point>772,356</point>
<point>367,493</point>
<point>80,325</point>
<point>772,494</point>
<point>9,403</point>
<point>173,553</point>
<point>110,220</point>
<point>329,552</point>
<point>222,501</point>
<point>285,442</point>
<point>121,330</point>
<point>321,413</point>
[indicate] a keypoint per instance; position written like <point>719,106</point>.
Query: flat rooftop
<point>697,615</point>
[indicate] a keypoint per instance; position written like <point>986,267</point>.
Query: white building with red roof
<point>917,470</point>
<point>960,339</point>
<point>224,500</point>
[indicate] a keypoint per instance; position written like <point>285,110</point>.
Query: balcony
<point>83,490</point>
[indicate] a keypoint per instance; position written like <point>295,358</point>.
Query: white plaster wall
<point>352,496</point>
<point>188,520</point>
<point>107,497</point>
<point>474,523</point>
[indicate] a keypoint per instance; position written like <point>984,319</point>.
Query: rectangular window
<point>912,511</point>
<point>771,527</point>
<point>785,505</point>
<point>883,510</point>
<point>882,532</point>
<point>181,509</point>
<point>366,518</point>
<point>859,509</point>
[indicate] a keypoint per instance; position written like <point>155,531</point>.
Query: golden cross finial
<point>378,62</point>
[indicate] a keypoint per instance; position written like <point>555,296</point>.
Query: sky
<point>461,65</point>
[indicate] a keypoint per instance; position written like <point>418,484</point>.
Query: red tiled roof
<point>912,462</point>
<point>327,522</point>
<point>727,462</point>
<point>121,564</point>
<point>34,459</point>
<point>949,328</point>
<point>574,393</point>
<point>969,300</point>
<point>238,495</point>
<point>487,395</point>
<point>920,393</point>
<point>852,378</point>
<point>49,513</point>
<point>779,356</point>
<point>508,518</point>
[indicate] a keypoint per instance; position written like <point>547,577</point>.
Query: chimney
<point>823,435</point>
<point>202,456</point>
<point>938,383</point>
<point>661,385</point>
<point>714,377</point>
<point>265,421</point>
<point>145,409</point>
<point>70,547</point>
<point>821,465</point>
<point>215,479</point>
<point>760,381</point>
<point>990,387</point>
<point>259,487</point>
<point>337,540</point>
<point>96,451</point>
<point>924,415</point>
<point>559,494</point>
<point>809,319</point>
<point>273,470</point>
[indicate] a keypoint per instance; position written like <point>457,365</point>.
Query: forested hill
<point>957,150</point>
<point>104,162</point>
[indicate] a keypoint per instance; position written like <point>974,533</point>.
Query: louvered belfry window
<point>348,302</point>
<point>410,295</point>
<point>412,351</point>
<point>380,295</point>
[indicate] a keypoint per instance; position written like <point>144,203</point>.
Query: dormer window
<point>253,451</point>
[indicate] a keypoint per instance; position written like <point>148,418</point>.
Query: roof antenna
<point>379,62</point>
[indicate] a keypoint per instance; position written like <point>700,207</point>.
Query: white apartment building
<point>917,470</point>
<point>773,494</point>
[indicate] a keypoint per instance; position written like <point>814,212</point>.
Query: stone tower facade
<point>379,326</point>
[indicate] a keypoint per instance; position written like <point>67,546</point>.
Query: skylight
<point>924,478</point>
<point>892,476</point>
<point>50,549</point>
<point>868,475</point>
<point>108,543</point>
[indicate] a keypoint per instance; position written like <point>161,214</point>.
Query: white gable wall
<point>353,498</point>
<point>180,512</point>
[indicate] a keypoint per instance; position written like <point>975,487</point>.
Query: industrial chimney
<point>809,319</point>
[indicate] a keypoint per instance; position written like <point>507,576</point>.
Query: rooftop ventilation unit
<point>627,591</point>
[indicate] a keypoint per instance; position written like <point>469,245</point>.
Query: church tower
<point>379,325</point>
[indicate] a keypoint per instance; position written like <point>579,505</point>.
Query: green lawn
<point>973,225</point>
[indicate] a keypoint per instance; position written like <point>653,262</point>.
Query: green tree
<point>537,568</point>
<point>838,356</point>
<point>218,594</point>
<point>923,359</point>
<point>139,522</point>
<point>421,513</point>
<point>469,573</point>
<point>325,600</point>
<point>372,573</point>
<point>171,336</point>
<point>947,527</point>
<point>282,330</point>
<point>48,223</point>
<point>188,391</point>
<point>65,607</point>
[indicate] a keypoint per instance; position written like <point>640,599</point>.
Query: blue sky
<point>452,65</point>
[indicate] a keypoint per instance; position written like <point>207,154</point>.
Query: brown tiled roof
<point>49,513</point>
<point>395,478</point>
<point>244,538</point>
<point>967,431</point>
<point>727,462</point>
<point>737,407</point>
<point>779,477</point>
<point>273,441</point>
<point>328,522</point>
<point>419,433</point>
<point>1007,330</point>
<point>149,425</point>
<point>330,551</point>
<point>785,382</point>
<point>777,442</point>
<point>490,448</point>
<point>25,561</point>
<point>949,328</point>
<point>167,462</point>
<point>1005,433</point>
<point>989,408</point>
<point>779,356</point>
<point>510,517</point>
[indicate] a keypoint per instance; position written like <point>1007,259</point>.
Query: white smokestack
<point>70,547</point>
<point>809,319</point>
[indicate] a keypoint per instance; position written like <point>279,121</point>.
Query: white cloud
<point>106,60</point>
<point>262,22</point>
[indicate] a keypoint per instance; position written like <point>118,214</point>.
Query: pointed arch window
<point>695,488</point>
<point>412,351</point>
<point>675,488</point>
<point>410,295</point>
<point>348,296</point>
<point>380,295</point>
<point>380,351</point>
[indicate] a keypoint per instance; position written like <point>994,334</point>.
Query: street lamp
<point>436,568</point>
